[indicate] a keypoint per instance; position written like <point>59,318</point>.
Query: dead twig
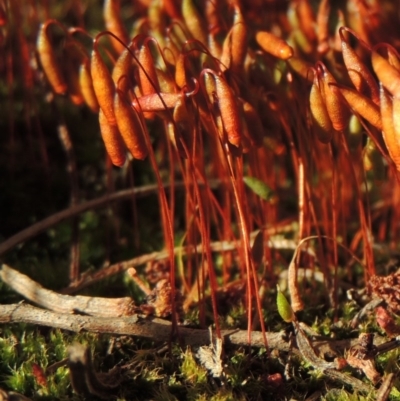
<point>96,306</point>
<point>351,381</point>
<point>159,330</point>
<point>385,388</point>
<point>152,328</point>
<point>56,218</point>
<point>120,317</point>
<point>84,378</point>
<point>119,267</point>
<point>308,352</point>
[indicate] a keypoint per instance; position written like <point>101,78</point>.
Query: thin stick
<point>153,328</point>
<point>217,246</point>
<point>386,387</point>
<point>106,307</point>
<point>56,218</point>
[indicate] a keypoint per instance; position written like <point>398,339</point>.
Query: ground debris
<point>210,356</point>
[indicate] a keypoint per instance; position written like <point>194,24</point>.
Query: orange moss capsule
<point>307,19</point>
<point>226,56</point>
<point>194,21</point>
<point>213,14</point>
<point>113,23</point>
<point>389,134</point>
<point>301,41</point>
<point>274,45</point>
<point>103,85</point>
<point>184,121</point>
<point>234,47</point>
<point>157,22</point>
<point>86,85</point>
<point>112,141</point>
<point>130,127</point>
<point>172,50</point>
<point>180,71</point>
<point>337,110</point>
<point>229,110</point>
<point>181,131</point>
<point>147,72</point>
<point>300,67</point>
<point>74,88</point>
<point>214,46</point>
<point>174,137</point>
<point>181,115</point>
<point>358,72</point>
<point>362,105</point>
<point>238,40</point>
<point>396,122</point>
<point>319,113</point>
<point>393,57</point>
<point>386,73</point>
<point>336,43</point>
<point>122,68</point>
<point>48,60</point>
<point>372,159</point>
<point>210,88</point>
<point>165,81</point>
<point>157,101</point>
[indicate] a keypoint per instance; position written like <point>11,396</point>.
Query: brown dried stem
<point>96,306</point>
<point>56,218</point>
<point>216,246</point>
<point>152,328</point>
<point>155,329</point>
<point>159,330</point>
<point>117,316</point>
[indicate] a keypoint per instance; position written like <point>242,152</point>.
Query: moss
<point>191,371</point>
<point>35,182</point>
<point>342,395</point>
